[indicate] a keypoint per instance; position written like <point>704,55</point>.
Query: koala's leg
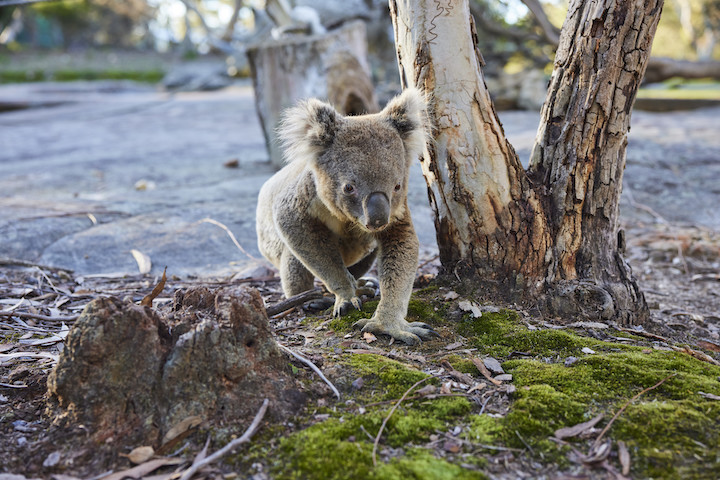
<point>318,249</point>
<point>397,264</point>
<point>294,277</point>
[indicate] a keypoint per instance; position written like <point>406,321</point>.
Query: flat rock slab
<point>92,170</point>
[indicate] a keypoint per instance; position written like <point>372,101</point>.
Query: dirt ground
<point>677,268</point>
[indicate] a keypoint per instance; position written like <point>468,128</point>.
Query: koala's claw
<point>410,333</point>
<point>343,307</point>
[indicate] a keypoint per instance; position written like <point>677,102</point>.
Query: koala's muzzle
<point>377,211</point>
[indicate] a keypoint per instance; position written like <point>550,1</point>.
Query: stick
<point>392,410</point>
<point>34,316</point>
<point>216,223</point>
<point>622,409</point>
<point>187,475</point>
<point>311,365</point>
<point>293,301</point>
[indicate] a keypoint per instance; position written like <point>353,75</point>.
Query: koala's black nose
<point>377,210</point>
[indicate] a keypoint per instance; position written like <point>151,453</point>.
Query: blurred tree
<point>547,236</point>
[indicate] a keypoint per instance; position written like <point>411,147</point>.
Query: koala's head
<point>360,163</point>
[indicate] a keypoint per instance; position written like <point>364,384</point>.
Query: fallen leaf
<point>52,460</point>
<point>575,430</point>
<point>143,469</point>
<point>624,457</point>
<point>446,388</point>
<point>505,377</point>
<point>709,396</point>
<point>182,427</point>
<point>147,300</point>
<point>451,446</point>
<point>472,307</point>
<point>369,337</point>
<point>232,163</point>
<point>485,372</point>
<point>453,346</point>
<point>143,261</point>
<point>451,295</point>
<point>141,454</point>
<point>713,347</point>
<point>597,325</point>
<point>426,390</point>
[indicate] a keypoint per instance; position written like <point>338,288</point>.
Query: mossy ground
<point>671,431</point>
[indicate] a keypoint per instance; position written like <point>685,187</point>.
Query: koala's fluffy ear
<point>308,128</point>
<point>408,114</point>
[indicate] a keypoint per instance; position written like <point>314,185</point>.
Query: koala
<point>340,203</point>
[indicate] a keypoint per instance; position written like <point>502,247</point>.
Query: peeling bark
<point>549,234</point>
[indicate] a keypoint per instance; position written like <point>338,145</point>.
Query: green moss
<point>500,333</point>
<point>678,439</point>
<point>483,429</point>
<point>17,76</point>
<point>390,379</point>
<point>340,447</point>
<point>421,464</point>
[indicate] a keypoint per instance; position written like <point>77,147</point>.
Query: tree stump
<point>331,66</point>
<point>126,372</point>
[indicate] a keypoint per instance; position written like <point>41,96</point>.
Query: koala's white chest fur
<point>354,243</point>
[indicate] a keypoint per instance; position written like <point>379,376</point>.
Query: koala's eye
<point>397,187</point>
<point>348,189</point>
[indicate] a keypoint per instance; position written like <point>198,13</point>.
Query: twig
<point>430,260</point>
<point>35,316</point>
<point>622,409</point>
<point>8,385</point>
<point>644,334</point>
<point>525,443</point>
<point>227,230</point>
<point>293,301</point>
<point>187,474</point>
<point>22,263</point>
<point>311,365</point>
<point>392,410</point>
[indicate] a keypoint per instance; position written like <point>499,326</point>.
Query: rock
<point>493,365</point>
<point>130,373</point>
<point>505,377</point>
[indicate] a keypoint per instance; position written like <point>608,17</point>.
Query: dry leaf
<point>369,337</point>
<point>624,457</point>
<point>472,307</point>
<point>143,261</point>
<point>713,347</point>
<point>575,430</point>
<point>147,300</point>
<point>709,396</point>
<point>451,295</point>
<point>182,427</point>
<point>143,469</point>
<point>446,388</point>
<point>140,454</point>
<point>485,372</point>
<point>453,346</point>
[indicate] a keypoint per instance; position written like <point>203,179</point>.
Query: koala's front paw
<point>343,306</point>
<point>400,329</point>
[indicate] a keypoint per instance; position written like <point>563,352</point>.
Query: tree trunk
<point>332,66</point>
<point>547,237</point>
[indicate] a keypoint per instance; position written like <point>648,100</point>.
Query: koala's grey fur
<point>341,202</point>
